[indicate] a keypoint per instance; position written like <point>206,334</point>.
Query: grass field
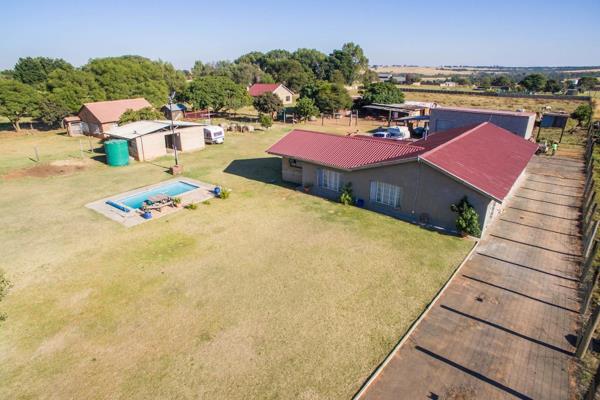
<point>269,294</point>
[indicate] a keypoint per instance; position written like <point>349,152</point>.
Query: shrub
<point>4,286</point>
<point>346,196</point>
<point>191,206</point>
<point>265,121</point>
<point>176,200</point>
<point>224,194</point>
<point>467,221</point>
<point>206,202</point>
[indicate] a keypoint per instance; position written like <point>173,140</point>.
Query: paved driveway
<point>505,326</point>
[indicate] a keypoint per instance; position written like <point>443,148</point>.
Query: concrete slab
<point>133,217</point>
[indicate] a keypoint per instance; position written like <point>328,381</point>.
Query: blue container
<point>147,215</point>
<point>360,203</point>
<point>217,191</point>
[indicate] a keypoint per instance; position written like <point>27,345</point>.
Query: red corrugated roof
<point>485,156</point>
<point>259,88</point>
<point>111,111</point>
<point>344,152</point>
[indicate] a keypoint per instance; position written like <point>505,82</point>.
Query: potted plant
<point>177,201</point>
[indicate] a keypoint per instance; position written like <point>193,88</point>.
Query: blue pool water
<point>169,189</point>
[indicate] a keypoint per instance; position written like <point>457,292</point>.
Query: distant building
<point>176,110</point>
<point>519,123</point>
<point>448,84</point>
<point>285,94</point>
<point>384,76</point>
<point>101,116</point>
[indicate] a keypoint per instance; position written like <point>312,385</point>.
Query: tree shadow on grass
<point>264,169</point>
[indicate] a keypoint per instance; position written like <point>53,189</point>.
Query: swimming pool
<point>170,189</point>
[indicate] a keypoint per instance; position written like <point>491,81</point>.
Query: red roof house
<point>419,179</point>
<point>285,94</point>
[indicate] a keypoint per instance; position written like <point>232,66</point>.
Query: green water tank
<point>117,153</point>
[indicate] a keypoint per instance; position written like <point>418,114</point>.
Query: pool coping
<point>203,192</point>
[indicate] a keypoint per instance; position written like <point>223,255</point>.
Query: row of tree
<point>49,89</point>
<point>536,82</point>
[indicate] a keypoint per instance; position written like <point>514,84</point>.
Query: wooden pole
<point>539,131</point>
<point>588,333</point>
<point>588,220</point>
<point>589,293</point>
<point>588,245</point>
<point>90,142</point>
<point>37,154</point>
<point>561,133</point>
<point>589,261</point>
<point>589,200</point>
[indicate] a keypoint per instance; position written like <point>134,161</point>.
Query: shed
<point>73,125</point>
<point>99,117</point>
<point>152,139</point>
<point>175,111</point>
<point>517,122</point>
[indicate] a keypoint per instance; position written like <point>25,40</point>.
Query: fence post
<point>590,240</point>
<point>587,299</point>
<point>588,217</point>
<point>589,260</point>
<point>588,202</point>
<point>37,154</point>
<point>589,182</point>
<point>588,333</point>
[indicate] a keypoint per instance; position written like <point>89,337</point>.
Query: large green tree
<point>586,83</point>
<point>583,114</point>
<point>17,100</point>
<point>553,86</point>
<point>382,93</point>
<point>268,103</point>
<point>135,76</point>
<point>350,61</point>
<point>290,73</point>
<point>312,60</point>
<point>328,97</point>
<point>306,108</point>
<point>217,92</point>
<point>72,88</point>
<point>143,114</point>
<point>534,82</point>
<point>35,70</point>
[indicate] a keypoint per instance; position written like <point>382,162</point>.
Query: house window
<point>386,194</point>
<point>294,163</point>
<point>329,179</point>
<point>287,98</point>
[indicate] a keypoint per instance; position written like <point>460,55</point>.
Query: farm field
<point>271,293</point>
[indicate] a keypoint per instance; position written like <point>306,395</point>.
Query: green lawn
<point>270,294</point>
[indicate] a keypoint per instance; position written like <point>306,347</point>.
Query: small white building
<point>152,139</point>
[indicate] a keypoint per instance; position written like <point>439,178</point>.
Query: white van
<point>214,134</point>
<point>399,132</point>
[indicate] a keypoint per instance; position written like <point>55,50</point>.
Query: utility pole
<point>176,169</point>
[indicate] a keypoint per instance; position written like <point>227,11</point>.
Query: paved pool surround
<point>203,191</point>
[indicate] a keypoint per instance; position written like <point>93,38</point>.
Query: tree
<point>586,83</point>
<point>467,221</point>
<point>312,60</point>
<point>17,100</point>
<point>382,93</point>
<point>503,80</point>
<point>71,88</point>
<point>534,82</point>
<point>328,97</point>
<point>370,76</point>
<point>216,92</point>
<point>306,108</point>
<point>290,73</point>
<point>583,114</point>
<point>143,114</point>
<point>135,76</point>
<point>350,61</point>
<point>35,70</point>
<point>553,86</point>
<point>51,112</point>
<point>265,121</point>
<point>268,103</point>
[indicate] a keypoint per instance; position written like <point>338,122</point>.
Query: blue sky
<point>432,32</point>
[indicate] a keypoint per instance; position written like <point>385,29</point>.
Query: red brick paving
<point>505,326</point>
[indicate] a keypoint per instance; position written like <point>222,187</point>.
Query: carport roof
<point>484,157</point>
<point>140,128</point>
